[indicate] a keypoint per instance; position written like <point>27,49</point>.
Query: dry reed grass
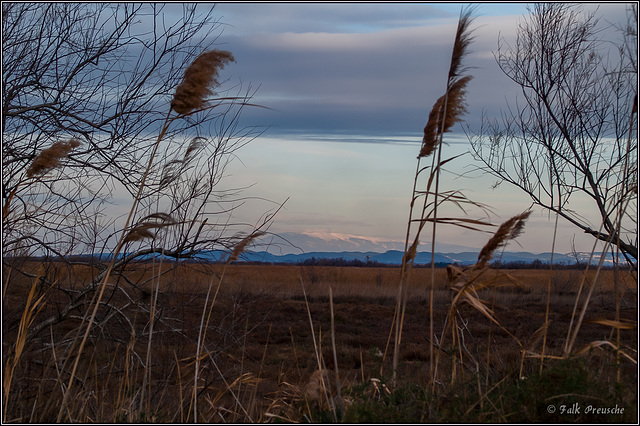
<point>441,121</point>
<point>33,305</point>
<point>259,330</point>
<point>447,111</point>
<point>51,157</point>
<point>188,374</point>
<point>199,77</point>
<point>467,284</point>
<point>207,311</point>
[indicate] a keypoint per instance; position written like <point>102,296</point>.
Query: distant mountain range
<point>292,248</point>
<point>299,247</point>
<point>394,257</point>
<point>390,257</point>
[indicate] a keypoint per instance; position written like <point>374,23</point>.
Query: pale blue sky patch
<point>364,189</point>
<point>350,87</point>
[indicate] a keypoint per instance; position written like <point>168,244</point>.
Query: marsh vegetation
<point>143,332</point>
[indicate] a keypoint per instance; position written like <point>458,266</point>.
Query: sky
<point>349,87</point>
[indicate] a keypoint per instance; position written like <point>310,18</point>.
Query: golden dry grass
<point>258,354</point>
<point>284,280</point>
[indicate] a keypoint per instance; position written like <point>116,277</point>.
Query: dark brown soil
<point>259,350</point>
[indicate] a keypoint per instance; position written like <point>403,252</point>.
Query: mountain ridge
<point>394,257</point>
<point>389,257</point>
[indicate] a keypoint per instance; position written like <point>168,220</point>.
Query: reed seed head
<point>462,41</point>
<point>173,169</point>
<point>410,254</point>
<point>509,230</point>
<point>450,107</point>
<point>143,228</point>
<point>441,121</point>
<point>139,233</point>
<point>242,245</point>
<point>198,79</point>
<point>430,138</point>
<point>49,158</point>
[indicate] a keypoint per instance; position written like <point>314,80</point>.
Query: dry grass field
<point>264,334</point>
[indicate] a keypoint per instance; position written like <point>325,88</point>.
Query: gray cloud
<point>384,82</point>
<point>252,18</point>
<point>366,68</point>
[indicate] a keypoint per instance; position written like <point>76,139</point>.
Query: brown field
<point>258,353</point>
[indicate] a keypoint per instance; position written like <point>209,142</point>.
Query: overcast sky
<point>349,87</point>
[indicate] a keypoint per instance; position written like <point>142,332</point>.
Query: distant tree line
<point>539,264</point>
<point>339,262</point>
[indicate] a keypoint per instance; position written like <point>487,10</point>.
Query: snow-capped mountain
<point>296,248</point>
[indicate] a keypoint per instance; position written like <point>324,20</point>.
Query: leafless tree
<point>101,111</point>
<point>574,134</point>
<point>102,76</point>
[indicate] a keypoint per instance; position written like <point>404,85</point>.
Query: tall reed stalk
<point>208,309</point>
<point>446,112</point>
<point>317,347</point>
<point>31,309</point>
<point>335,353</point>
<point>189,98</point>
<point>152,320</point>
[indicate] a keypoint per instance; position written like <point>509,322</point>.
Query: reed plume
<point>450,107</point>
<point>198,79</point>
<point>242,245</point>
<point>175,168</point>
<point>49,158</point>
<point>441,121</point>
<point>142,230</point>
<point>509,230</point>
<point>410,254</point>
<point>461,44</point>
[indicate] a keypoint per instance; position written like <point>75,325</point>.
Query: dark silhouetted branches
<point>574,137</point>
<point>90,91</point>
